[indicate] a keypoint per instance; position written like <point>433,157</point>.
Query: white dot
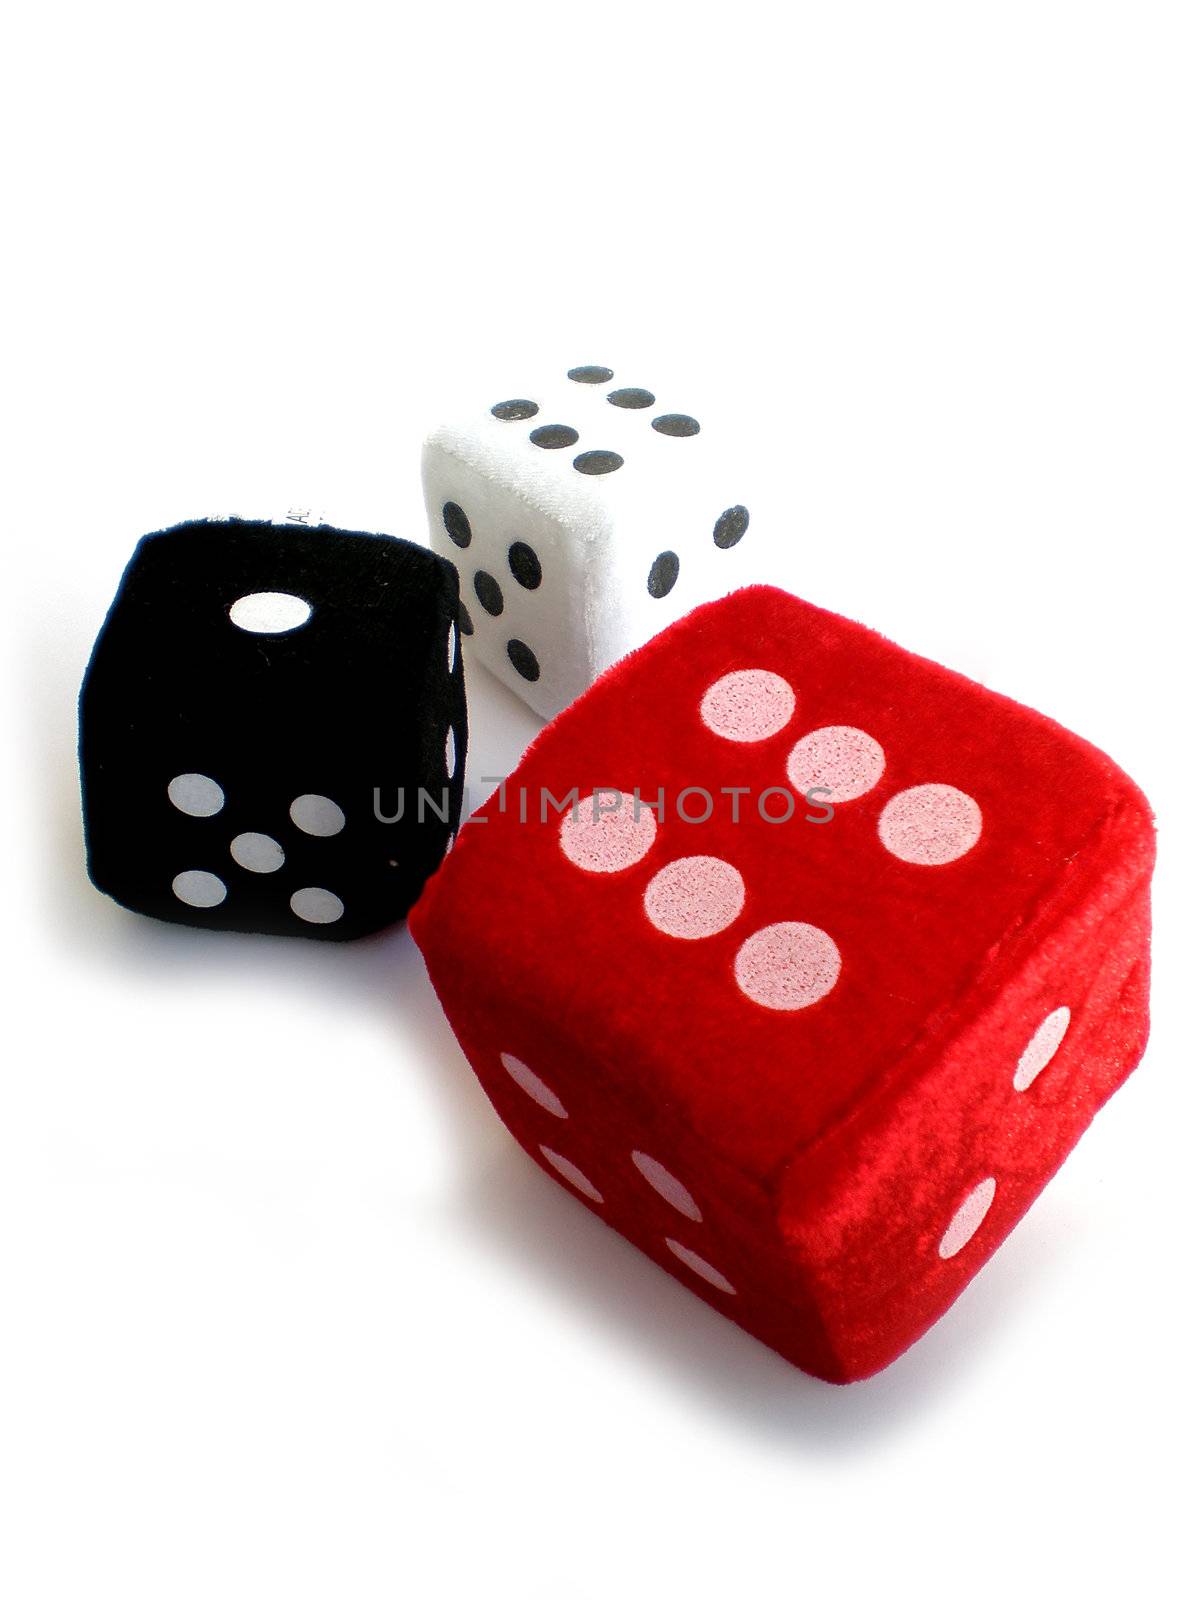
<point>317,905</point>
<point>930,824</point>
<point>965,1221</point>
<point>200,889</point>
<point>568,1170</point>
<point>787,966</point>
<point>695,897</point>
<point>317,815</point>
<point>666,1184</point>
<point>747,706</point>
<point>269,612</point>
<point>1041,1049</point>
<point>525,1078</point>
<point>257,852</point>
<point>844,761</point>
<point>607,832</point>
<point>451,753</point>
<point>700,1267</point>
<point>196,795</point>
<point>451,647</point>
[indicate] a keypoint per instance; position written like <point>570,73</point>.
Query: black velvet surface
<point>358,699</point>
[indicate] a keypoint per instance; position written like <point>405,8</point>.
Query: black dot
<point>631,399</point>
<point>523,658</point>
<point>524,565</point>
<point>515,410</point>
<point>676,425</point>
<point>457,525</point>
<point>663,574</point>
<point>465,625</point>
<point>730,526</point>
<point>488,590</point>
<point>554,436</point>
<point>590,374</point>
<point>594,462</point>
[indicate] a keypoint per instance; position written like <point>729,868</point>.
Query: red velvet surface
<point>827,1148</point>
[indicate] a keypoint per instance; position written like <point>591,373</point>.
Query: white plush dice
<point>584,513</point>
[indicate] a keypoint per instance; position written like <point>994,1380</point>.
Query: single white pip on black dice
<point>273,728</point>
<point>584,513</point>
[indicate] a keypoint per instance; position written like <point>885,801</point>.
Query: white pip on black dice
<point>273,728</point>
<point>584,514</point>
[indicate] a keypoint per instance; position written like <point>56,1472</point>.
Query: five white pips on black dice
<point>261,703</point>
<point>584,516</point>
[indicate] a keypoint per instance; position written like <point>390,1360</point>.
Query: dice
<point>273,728</point>
<point>583,516</point>
<point>819,980</point>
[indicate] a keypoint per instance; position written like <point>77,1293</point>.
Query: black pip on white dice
<point>584,515</point>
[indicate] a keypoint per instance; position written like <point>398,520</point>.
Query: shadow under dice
<point>273,728</point>
<point>821,979</point>
<point>582,521</point>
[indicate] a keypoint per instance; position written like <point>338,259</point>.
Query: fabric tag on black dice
<point>273,728</point>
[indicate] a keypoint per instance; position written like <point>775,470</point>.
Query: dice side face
<point>894,1213</point>
<point>525,561</point>
<point>566,567</point>
<point>636,1169</point>
<point>764,986</point>
<point>230,771</point>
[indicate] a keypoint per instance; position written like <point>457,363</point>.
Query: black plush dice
<point>273,729</point>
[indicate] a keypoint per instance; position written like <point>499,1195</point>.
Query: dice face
<point>819,1026</point>
<point>584,516</point>
<point>273,729</point>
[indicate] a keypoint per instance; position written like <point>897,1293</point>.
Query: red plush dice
<point>822,978</point>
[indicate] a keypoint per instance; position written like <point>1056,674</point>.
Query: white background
<point>282,1310</point>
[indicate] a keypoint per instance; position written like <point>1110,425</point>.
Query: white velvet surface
<point>596,537</point>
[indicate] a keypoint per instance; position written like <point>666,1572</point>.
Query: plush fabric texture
<point>860,1066</point>
<point>565,568</point>
<point>251,689</point>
